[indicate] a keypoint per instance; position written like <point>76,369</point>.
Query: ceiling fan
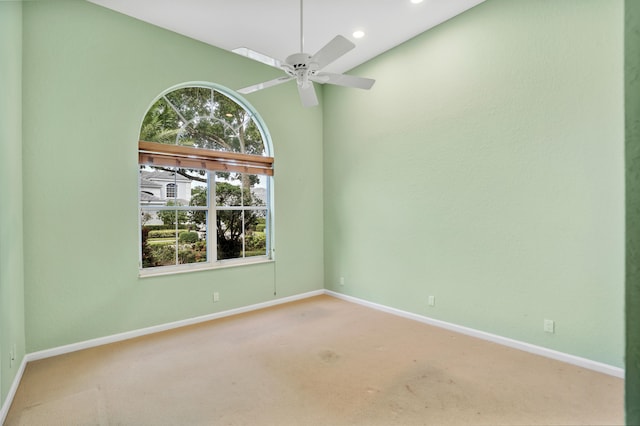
<point>306,69</point>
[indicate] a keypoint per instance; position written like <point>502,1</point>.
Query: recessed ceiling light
<point>358,34</point>
<point>416,1</point>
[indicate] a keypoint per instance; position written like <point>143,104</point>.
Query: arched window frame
<point>213,162</point>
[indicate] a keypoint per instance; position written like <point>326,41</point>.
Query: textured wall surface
<point>486,168</point>
<point>632,92</point>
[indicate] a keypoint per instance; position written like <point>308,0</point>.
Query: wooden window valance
<point>186,157</point>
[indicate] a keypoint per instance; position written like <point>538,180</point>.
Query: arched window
<point>211,154</point>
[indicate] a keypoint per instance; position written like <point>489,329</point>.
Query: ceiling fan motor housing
<point>299,60</point>
<point>298,66</point>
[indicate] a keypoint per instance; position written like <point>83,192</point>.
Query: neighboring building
<point>159,186</point>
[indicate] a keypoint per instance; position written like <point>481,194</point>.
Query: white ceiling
<point>272,27</point>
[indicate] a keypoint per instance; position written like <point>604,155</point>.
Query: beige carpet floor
<point>320,361</point>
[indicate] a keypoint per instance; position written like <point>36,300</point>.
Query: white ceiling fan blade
<point>344,80</point>
<point>266,84</point>
<point>307,94</point>
<point>332,51</point>
<point>257,56</point>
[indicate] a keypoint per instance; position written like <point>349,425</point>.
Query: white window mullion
<point>268,224</point>
<point>175,207</point>
<point>243,233</point>
<point>244,237</point>
<point>212,237</point>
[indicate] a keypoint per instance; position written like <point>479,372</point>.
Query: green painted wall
<point>11,243</point>
<point>632,105</point>
<point>486,168</point>
<point>89,75</point>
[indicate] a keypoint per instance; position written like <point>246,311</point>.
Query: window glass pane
<point>152,192</point>
<point>202,118</point>
<point>161,124</point>
<point>169,217</point>
<point>158,185</point>
<point>207,133</point>
<point>190,102</point>
<point>253,136</point>
<point>171,190</point>
<point>229,227</point>
<point>254,231</point>
<point>158,243</point>
<point>192,243</point>
<point>198,195</point>
<point>228,189</point>
<point>258,190</point>
<point>239,189</point>
<point>241,232</point>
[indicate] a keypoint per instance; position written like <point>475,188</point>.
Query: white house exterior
<point>158,186</point>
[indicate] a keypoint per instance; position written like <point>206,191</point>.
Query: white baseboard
<point>505,341</point>
<point>538,350</point>
<point>12,391</point>
<point>164,327</point>
<point>47,353</point>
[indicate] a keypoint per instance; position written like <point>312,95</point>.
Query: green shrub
<point>165,233</point>
<point>158,227</point>
<point>186,256</point>
<point>163,255</point>
<point>147,255</point>
<point>162,242</point>
<point>188,237</point>
<point>166,255</point>
<point>256,241</point>
<point>193,254</point>
<point>260,227</point>
<point>162,233</point>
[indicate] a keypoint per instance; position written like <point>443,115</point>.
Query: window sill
<point>195,267</point>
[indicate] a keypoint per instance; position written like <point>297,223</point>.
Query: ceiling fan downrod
<point>301,29</point>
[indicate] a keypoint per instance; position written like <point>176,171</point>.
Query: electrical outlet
<point>341,280</point>
<point>12,355</point>
<point>431,301</point>
<point>549,326</point>
<point>216,296</point>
